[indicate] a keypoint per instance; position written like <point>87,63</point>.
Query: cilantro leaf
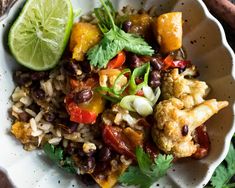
<point>162,164</point>
<point>134,176</point>
<point>222,175</point>
<point>113,42</point>
<point>148,171</point>
<point>115,39</point>
<point>56,154</point>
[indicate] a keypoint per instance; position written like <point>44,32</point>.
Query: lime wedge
<point>39,36</point>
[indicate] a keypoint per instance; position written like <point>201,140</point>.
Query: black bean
<point>49,116</point>
<point>70,150</point>
<point>83,96</point>
<point>184,130</point>
<point>36,76</point>
<point>71,68</point>
<point>127,26</point>
<point>85,66</point>
<point>38,94</point>
<point>156,63</point>
<point>134,61</point>
<point>22,78</point>
<point>104,154</point>
<point>73,126</point>
<point>89,164</point>
<point>102,167</point>
<point>81,153</point>
<point>155,79</point>
<point>23,116</point>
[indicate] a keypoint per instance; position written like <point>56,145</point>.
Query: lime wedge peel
<point>40,34</point>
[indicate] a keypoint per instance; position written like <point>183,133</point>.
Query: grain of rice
<point>33,124</point>
<point>14,114</point>
<point>47,87</point>
<point>39,116</point>
<point>54,141</point>
<point>114,164</point>
<point>30,112</point>
<point>76,137</point>
<point>16,109</point>
<point>45,126</point>
<point>84,130</point>
<point>58,133</point>
<point>57,85</point>
<point>40,137</point>
<point>18,94</point>
<point>80,126</point>
<point>55,102</point>
<point>125,161</point>
<point>60,77</point>
<point>36,133</point>
<point>27,101</point>
<point>65,143</point>
<point>19,104</point>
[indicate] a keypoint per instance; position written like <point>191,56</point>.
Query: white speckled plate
<point>206,45</point>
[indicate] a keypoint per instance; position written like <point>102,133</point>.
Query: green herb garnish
<point>148,171</point>
<point>115,39</point>
<point>56,154</point>
<point>138,72</point>
<point>223,174</point>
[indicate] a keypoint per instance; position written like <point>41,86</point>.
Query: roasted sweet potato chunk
<point>168,31</point>
<point>83,37</point>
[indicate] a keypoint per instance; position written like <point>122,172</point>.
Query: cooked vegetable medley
<point>122,103</point>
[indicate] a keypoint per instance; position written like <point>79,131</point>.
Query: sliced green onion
<point>117,81</point>
<point>139,71</point>
<point>148,93</point>
<point>142,106</point>
<point>127,102</point>
<point>138,104</point>
<point>157,93</point>
<point>114,98</point>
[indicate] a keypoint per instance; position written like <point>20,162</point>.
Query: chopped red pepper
<point>115,138</point>
<point>169,63</point>
<point>84,112</point>
<point>80,115</point>
<point>140,93</point>
<point>118,61</point>
<point>203,141</point>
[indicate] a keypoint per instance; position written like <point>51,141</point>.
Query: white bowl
<point>206,46</point>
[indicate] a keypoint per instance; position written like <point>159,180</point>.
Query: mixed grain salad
<point>123,102</point>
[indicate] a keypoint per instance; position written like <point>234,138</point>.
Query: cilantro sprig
<point>115,39</point>
<point>148,171</point>
<point>224,173</point>
<point>56,154</point>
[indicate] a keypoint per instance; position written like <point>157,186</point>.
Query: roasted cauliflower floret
<point>170,118</point>
<point>190,91</point>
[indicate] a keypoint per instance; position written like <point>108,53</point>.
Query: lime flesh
<point>39,36</point>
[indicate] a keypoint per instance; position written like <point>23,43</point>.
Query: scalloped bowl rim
<point>229,135</point>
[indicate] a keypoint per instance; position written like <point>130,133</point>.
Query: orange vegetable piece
<point>112,177</point>
<point>22,132</point>
<point>83,37</point>
<point>168,31</point>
